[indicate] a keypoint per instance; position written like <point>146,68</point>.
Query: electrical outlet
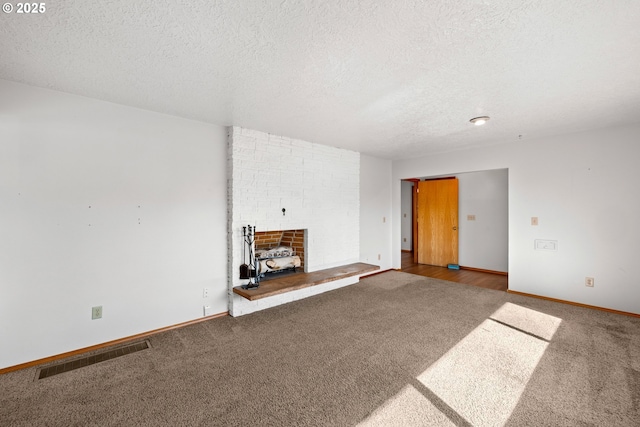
<point>471,217</point>
<point>378,257</point>
<point>534,220</point>
<point>384,219</point>
<point>589,281</point>
<point>96,312</point>
<point>207,310</point>
<point>205,293</point>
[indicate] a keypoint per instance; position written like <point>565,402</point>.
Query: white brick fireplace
<point>318,186</point>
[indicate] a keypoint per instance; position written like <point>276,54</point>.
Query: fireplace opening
<point>280,252</point>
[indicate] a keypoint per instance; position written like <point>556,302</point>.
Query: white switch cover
<point>546,245</point>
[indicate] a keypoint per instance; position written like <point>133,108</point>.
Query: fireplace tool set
<point>249,271</point>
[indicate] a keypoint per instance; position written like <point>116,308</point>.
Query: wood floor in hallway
<point>469,277</point>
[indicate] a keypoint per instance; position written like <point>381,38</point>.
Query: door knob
<point>455,228</point>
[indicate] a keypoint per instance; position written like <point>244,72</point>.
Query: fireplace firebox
<point>279,251</point>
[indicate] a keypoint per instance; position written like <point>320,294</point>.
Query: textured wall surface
<point>317,185</point>
<point>385,78</point>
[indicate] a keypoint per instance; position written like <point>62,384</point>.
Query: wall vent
<point>101,356</point>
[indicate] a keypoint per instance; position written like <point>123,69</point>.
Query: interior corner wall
<point>406,218</point>
<point>375,211</point>
<point>317,185</point>
<point>484,240</point>
<point>582,189</point>
<point>104,205</point>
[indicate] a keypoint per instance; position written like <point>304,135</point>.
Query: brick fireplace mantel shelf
<point>304,280</point>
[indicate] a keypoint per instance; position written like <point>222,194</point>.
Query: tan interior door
<point>438,222</point>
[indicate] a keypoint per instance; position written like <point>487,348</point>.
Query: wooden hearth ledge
<point>304,280</point>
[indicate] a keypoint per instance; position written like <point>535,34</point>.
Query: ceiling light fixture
<point>479,121</point>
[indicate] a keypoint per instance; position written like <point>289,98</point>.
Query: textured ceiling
<point>389,79</point>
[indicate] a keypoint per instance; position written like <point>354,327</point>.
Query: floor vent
<point>107,354</point>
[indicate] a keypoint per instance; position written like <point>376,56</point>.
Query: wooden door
<point>438,222</point>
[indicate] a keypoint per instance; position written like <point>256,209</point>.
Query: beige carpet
<point>395,349</point>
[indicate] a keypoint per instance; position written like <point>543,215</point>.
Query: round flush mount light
<point>479,121</point>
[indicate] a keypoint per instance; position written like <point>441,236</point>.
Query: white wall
<point>102,204</point>
<point>406,212</point>
<point>583,187</point>
<point>318,186</point>
<point>484,242</point>
<point>375,211</point>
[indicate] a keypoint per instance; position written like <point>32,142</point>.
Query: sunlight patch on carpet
<point>484,375</point>
<point>408,407</point>
<point>527,320</point>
